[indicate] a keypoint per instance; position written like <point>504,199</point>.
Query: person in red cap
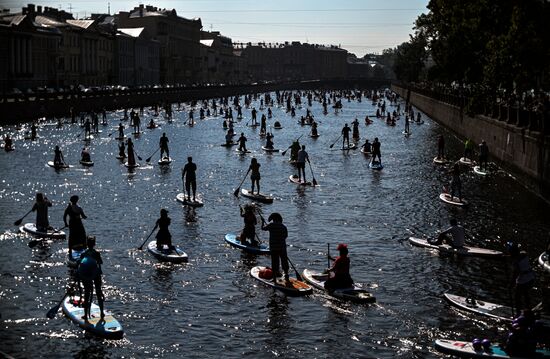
<point>340,268</point>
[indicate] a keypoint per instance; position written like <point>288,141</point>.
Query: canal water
<point>211,307</point>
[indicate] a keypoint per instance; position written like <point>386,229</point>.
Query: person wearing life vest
<point>523,276</point>
<point>340,269</point>
<point>89,272</point>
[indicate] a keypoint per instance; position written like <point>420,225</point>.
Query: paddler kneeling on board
<point>277,244</point>
<point>85,155</point>
<point>89,272</point>
<point>249,230</point>
<point>457,235</point>
<point>340,268</point>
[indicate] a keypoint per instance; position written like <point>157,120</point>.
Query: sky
<point>359,26</point>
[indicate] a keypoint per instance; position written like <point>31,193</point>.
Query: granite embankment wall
<point>523,152</point>
<point>29,107</point>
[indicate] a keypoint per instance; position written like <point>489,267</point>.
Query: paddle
<point>149,159</point>
<point>139,158</point>
<point>33,242</point>
<point>146,239</point>
<point>298,276</point>
<point>335,141</point>
<point>18,222</point>
<point>314,181</point>
<point>236,192</point>
<point>328,255</point>
<point>112,133</point>
<point>285,151</point>
<point>80,134</point>
<point>52,312</point>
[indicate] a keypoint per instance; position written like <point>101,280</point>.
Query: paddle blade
<point>332,145</point>
<point>314,181</point>
<point>52,312</point>
<point>236,193</point>
<point>33,243</point>
<point>148,160</point>
<point>18,222</point>
<point>284,152</point>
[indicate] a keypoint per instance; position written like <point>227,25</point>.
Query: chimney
<point>140,10</point>
<point>31,8</point>
<point>39,9</point>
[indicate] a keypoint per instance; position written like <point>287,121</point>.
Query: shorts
<point>301,165</point>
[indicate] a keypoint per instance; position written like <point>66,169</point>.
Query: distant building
<point>136,58</point>
<point>219,63</point>
<point>179,38</point>
<point>28,50</point>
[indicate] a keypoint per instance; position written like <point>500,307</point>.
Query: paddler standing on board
<point>242,142</point>
<point>58,159</point>
<point>77,233</point>
<point>301,163</point>
<point>523,276</point>
<point>441,147</point>
<point>164,237</point>
<point>249,230</point>
<point>131,154</point>
<point>189,178</point>
<point>483,155</point>
<point>163,144</point>
<point>294,149</point>
<point>41,207</point>
<point>340,268</point>
<point>89,272</point>
<point>277,244</point>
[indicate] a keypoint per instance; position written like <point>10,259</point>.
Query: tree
<point>409,58</point>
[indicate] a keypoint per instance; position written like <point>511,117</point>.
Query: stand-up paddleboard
<point>129,166</point>
<point>50,233</point>
<point>165,161</point>
<point>270,150</point>
<point>466,350</point>
<point>375,165</point>
<point>480,307</point>
<point>120,138</point>
<point>466,161</point>
<point>152,127</point>
<point>240,152</point>
<point>88,138</point>
<point>73,257</point>
<point>407,134</point>
<point>353,294</point>
<point>440,160</point>
<point>136,133</point>
<point>119,157</point>
<point>87,163</point>
<point>229,144</point>
<point>278,127</point>
<point>182,198</point>
<point>352,146</point>
<point>257,197</point>
<point>314,136</point>
<point>464,251</point>
<point>108,327</point>
<point>294,179</point>
<point>254,125</point>
<point>446,197</point>
<point>544,261</point>
<point>479,171</point>
<point>58,167</point>
<point>235,242</point>
<point>419,122</point>
<point>363,151</point>
<point>293,287</point>
<point>166,254</point>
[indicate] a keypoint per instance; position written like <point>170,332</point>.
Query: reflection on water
<point>212,305</point>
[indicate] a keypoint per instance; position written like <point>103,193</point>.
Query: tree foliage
<point>409,58</point>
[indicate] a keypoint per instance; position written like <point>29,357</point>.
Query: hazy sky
<point>359,26</point>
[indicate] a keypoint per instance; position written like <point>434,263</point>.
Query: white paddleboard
<point>446,197</point>
<point>464,251</point>
<point>440,160</point>
<point>131,166</point>
<point>480,307</point>
<point>353,294</point>
<point>51,233</point>
<point>229,144</point>
<point>479,171</point>
<point>544,261</point>
<point>465,349</point>
<point>314,136</point>
<point>376,165</point>
<point>182,198</point>
<point>364,152</point>
<point>293,287</point>
<point>167,255</point>
<point>257,197</point>
<point>294,179</point>
<point>466,161</point>
<point>270,150</point>
<point>87,163</point>
<point>165,161</point>
<point>58,167</point>
<point>108,328</point>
